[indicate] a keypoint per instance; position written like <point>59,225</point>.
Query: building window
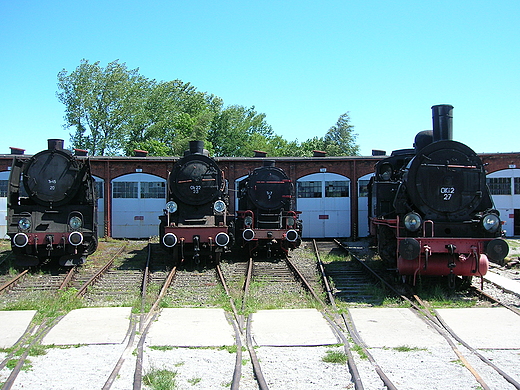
<point>124,189</point>
<point>3,188</point>
<point>517,185</point>
<point>153,189</point>
<point>309,189</point>
<point>363,188</point>
<point>499,185</point>
<point>336,189</point>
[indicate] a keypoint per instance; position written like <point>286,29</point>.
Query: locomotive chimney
<point>140,153</point>
<point>259,153</point>
<point>442,116</point>
<point>196,147</point>
<point>17,150</point>
<point>55,144</point>
<point>269,163</point>
<point>80,152</point>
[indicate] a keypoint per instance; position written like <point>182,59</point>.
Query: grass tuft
<point>160,379</point>
<point>336,357</point>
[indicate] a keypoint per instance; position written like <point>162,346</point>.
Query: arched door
<point>4,180</point>
<point>504,186</point>
<point>138,200</point>
<point>363,229</point>
<point>323,198</point>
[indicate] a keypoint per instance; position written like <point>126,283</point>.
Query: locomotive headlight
<point>290,221</point>
<point>248,221</point>
<point>412,222</point>
<point>75,223</point>
<point>171,207</point>
<point>491,222</point>
<point>219,207</point>
<point>24,223</point>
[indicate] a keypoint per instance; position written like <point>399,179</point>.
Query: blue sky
<point>303,64</point>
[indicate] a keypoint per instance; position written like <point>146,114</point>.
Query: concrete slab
<point>13,324</point>
<point>92,325</point>
<point>394,327</point>
<point>509,284</point>
<point>493,328</point>
<point>187,327</point>
<point>296,327</point>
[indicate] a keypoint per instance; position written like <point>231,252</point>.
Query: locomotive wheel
<point>387,246</point>
<point>463,283</point>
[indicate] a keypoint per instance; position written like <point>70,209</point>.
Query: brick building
<point>331,191</point>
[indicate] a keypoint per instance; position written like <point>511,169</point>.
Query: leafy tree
<point>340,139</point>
<point>234,129</point>
<point>115,110</point>
<point>172,114</point>
<point>99,103</point>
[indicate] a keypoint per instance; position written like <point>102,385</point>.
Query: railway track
<point>266,277</point>
<point>434,319</point>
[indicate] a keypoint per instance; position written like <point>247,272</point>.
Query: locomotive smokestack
<point>196,147</point>
<point>442,116</point>
<point>259,153</point>
<point>269,163</point>
<point>55,144</point>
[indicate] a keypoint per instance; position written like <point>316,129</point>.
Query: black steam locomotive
<point>266,219</point>
<point>430,209</point>
<point>195,220</point>
<point>51,207</point>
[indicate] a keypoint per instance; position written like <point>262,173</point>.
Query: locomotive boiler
<point>266,218</point>
<point>51,207</point>
<point>430,209</point>
<point>195,219</point>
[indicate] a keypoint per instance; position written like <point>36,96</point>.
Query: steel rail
<point>99,273</point>
<point>238,318</point>
<point>146,322</point>
<point>12,282</point>
<point>68,278</point>
<point>355,336</point>
<point>131,334</point>
<point>441,327</point>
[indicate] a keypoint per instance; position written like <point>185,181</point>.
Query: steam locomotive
<point>195,219</point>
<point>51,207</point>
<point>430,209</point>
<point>266,219</point>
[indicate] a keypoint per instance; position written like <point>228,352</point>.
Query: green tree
<point>99,103</point>
<point>234,129</point>
<point>172,114</point>
<point>340,139</point>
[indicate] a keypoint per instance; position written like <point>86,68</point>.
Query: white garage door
<point>505,191</point>
<point>137,201</point>
<point>4,179</point>
<point>363,205</point>
<point>323,198</point>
